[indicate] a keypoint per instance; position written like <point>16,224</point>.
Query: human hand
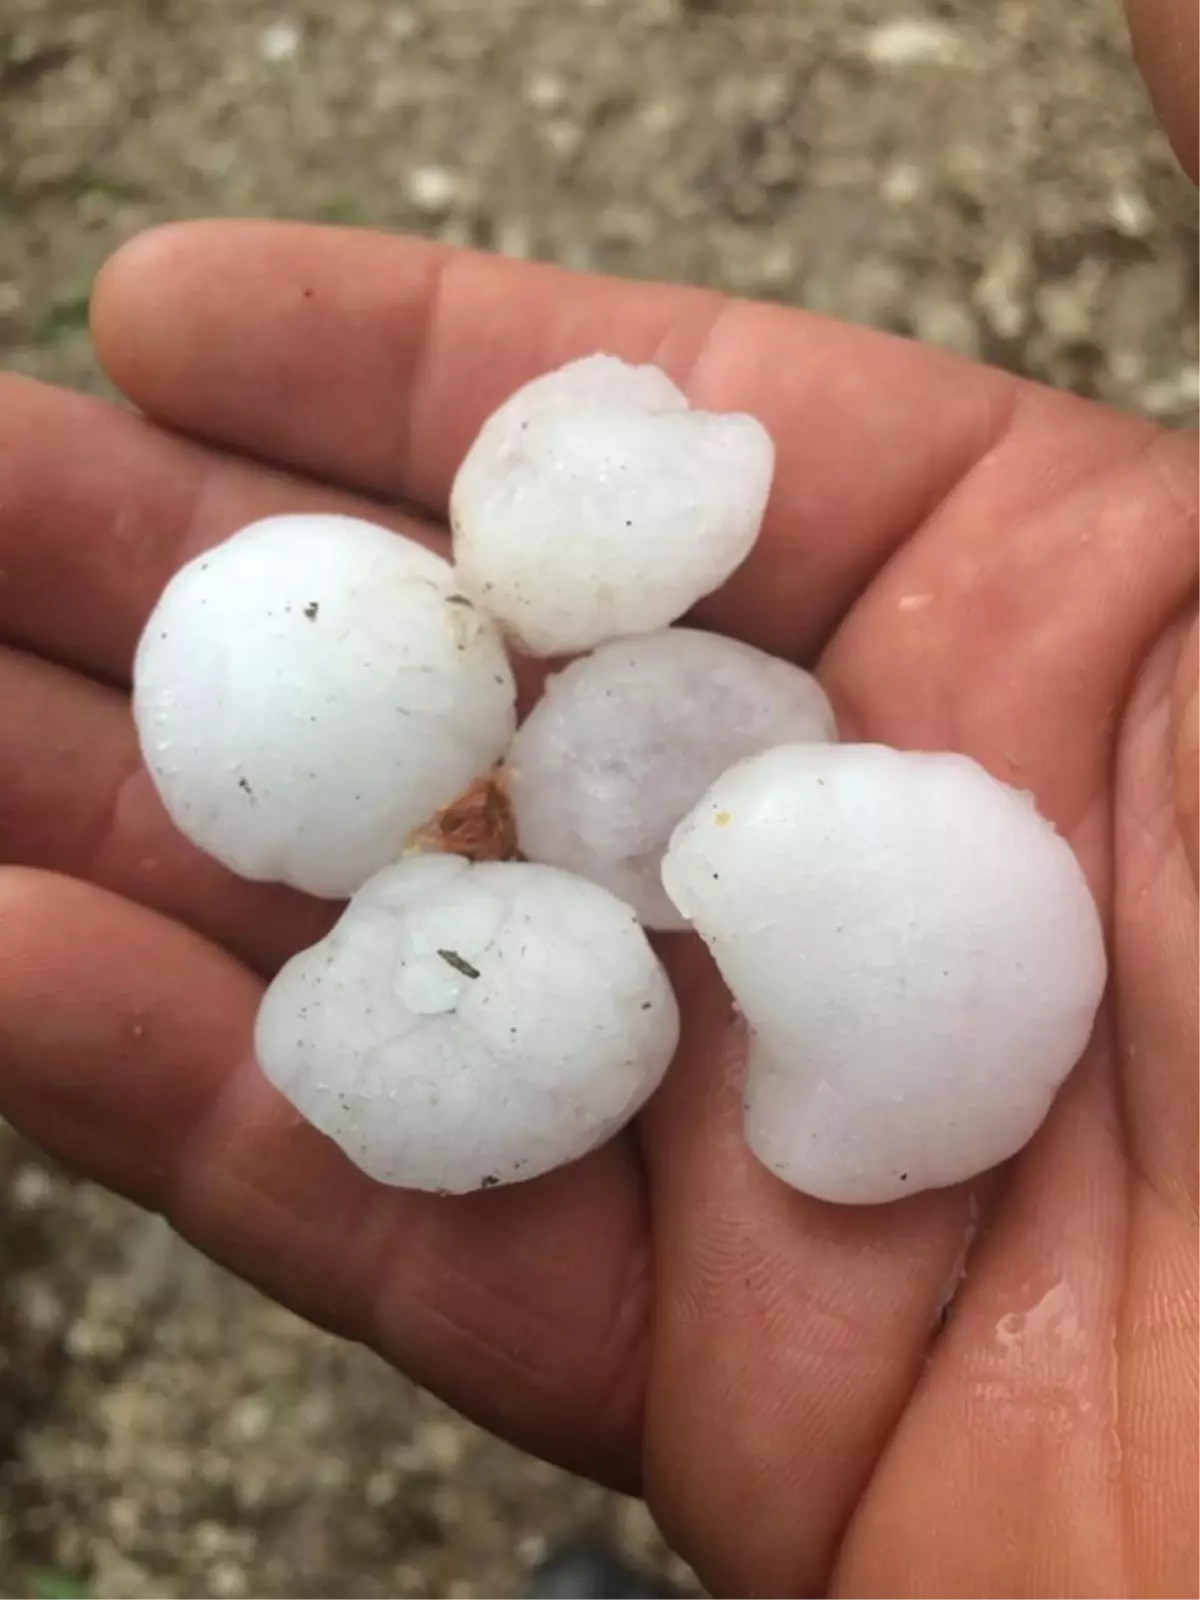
<point>978,564</point>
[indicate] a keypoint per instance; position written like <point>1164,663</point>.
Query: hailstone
<point>625,741</point>
<point>469,1024</point>
<point>594,503</point>
<point>915,951</point>
<point>310,692</point>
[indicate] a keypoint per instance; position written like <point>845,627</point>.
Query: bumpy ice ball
<point>310,692</point>
<point>915,951</point>
<point>471,1024</point>
<point>625,741</point>
<point>595,504</point>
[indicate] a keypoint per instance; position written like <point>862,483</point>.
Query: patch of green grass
<point>87,180</point>
<point>113,187</point>
<point>66,319</point>
<point>277,1398</point>
<point>47,1583</point>
<point>80,183</point>
<point>345,210</point>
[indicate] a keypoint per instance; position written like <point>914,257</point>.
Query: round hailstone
<point>595,504</point>
<point>313,690</point>
<point>470,1024</point>
<point>915,951</point>
<point>626,740</point>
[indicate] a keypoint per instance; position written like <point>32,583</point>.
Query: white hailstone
<point>470,1024</point>
<point>915,951</point>
<point>312,691</point>
<point>595,504</point>
<point>626,740</point>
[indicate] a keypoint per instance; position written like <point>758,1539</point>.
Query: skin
<point>975,563</point>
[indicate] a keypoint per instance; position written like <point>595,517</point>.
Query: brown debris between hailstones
<point>478,825</point>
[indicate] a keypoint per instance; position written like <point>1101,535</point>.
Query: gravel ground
<point>979,173</point>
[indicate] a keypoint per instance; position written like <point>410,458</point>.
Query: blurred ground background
<point>980,173</point>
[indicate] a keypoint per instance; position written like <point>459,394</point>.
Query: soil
<point>987,177</point>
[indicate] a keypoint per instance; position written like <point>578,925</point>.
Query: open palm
<point>976,564</point>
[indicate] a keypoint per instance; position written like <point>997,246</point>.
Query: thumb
<point>1164,47</point>
<point>1185,720</point>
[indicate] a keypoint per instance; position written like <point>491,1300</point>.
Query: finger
<point>1010,628</point>
<point>1020,1394</point>
<point>125,1043</point>
<point>1053,1371</point>
<point>74,798</point>
<point>98,508</point>
<point>1156,923</point>
<point>1048,1430</point>
<point>1159,916</point>
<point>759,1441</point>
<point>1164,46</point>
<point>373,360</point>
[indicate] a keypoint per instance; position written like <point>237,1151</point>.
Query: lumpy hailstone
<point>467,1025</point>
<point>915,951</point>
<point>310,692</point>
<point>595,504</point>
<point>626,740</point>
